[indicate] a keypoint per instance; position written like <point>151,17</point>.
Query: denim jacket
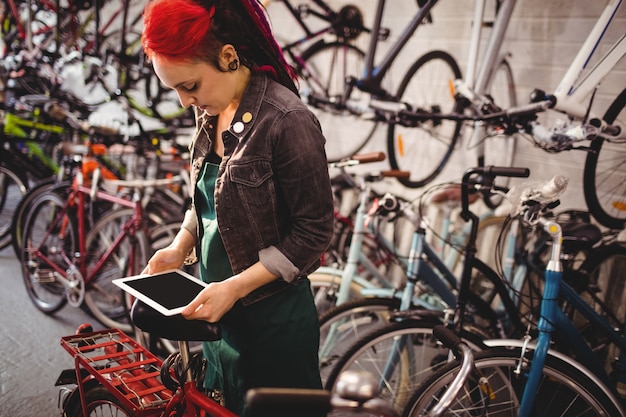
<point>273,197</point>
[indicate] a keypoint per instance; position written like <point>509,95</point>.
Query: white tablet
<point>167,292</point>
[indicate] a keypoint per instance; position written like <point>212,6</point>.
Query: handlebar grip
<point>395,173</point>
<point>446,336</point>
<point>502,171</point>
<point>369,157</point>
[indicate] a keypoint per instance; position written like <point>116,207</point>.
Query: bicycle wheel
<point>54,234</point>
<point>12,188</point>
<point>424,149</point>
<point>342,326</point>
<point>495,389</point>
<point>605,267</point>
<point>21,211</point>
<point>105,300</point>
<point>499,150</point>
<point>325,286</point>
<point>604,178</point>
<point>323,69</point>
<point>400,355</point>
<point>100,403</point>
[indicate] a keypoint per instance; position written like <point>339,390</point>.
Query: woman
<point>262,208</point>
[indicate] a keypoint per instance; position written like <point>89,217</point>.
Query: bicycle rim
<point>55,238</point>
<point>499,150</point>
<point>604,180</point>
<point>606,266</point>
<point>323,69</point>
<point>424,150</point>
<point>106,301</point>
<point>21,211</point>
<point>495,389</point>
<point>342,326</point>
<point>325,286</point>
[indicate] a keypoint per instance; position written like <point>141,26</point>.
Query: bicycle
<point>573,97</point>
<point>357,251</point>
<point>395,342</point>
<point>339,97</point>
<point>373,325</point>
<point>522,378</point>
<point>64,262</point>
<point>115,374</point>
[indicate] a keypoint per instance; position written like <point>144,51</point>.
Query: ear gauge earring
<point>233,65</point>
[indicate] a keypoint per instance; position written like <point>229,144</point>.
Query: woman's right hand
<point>164,259</point>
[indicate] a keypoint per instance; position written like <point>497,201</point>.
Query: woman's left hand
<point>211,303</point>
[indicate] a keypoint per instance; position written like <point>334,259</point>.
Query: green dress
<point>271,343</point>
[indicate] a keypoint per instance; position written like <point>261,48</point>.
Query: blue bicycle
<point>522,378</point>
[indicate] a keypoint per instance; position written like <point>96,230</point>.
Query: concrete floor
<point>31,357</point>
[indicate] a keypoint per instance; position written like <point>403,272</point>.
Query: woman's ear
<point>228,54</point>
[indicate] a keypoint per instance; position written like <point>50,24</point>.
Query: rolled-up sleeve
<point>302,172</point>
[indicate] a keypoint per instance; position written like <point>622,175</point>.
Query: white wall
<point>542,37</point>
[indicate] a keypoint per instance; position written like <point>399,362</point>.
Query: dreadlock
<point>197,29</point>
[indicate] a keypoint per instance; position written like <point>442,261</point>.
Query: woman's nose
<point>186,100</point>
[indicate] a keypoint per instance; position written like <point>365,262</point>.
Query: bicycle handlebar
<point>460,350</point>
<point>355,392</point>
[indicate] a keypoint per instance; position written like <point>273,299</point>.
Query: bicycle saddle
<point>173,327</point>
<point>578,231</point>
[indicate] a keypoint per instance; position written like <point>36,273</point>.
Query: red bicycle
<point>113,375</point>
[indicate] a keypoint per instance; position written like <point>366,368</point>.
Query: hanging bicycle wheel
<point>495,389</point>
<point>499,150</point>
<point>424,149</point>
<point>604,180</point>
<point>106,301</point>
<point>323,69</point>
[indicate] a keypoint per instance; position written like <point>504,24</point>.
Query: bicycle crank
<point>74,286</point>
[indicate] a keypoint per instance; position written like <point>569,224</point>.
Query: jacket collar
<point>250,106</point>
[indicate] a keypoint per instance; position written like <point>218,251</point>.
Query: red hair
<point>196,30</point>
<point>175,29</point>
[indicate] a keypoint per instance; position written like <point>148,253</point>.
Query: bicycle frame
<point>576,85</point>
<point>553,320</point>
<point>78,197</point>
<point>326,16</point>
<point>580,79</point>
<point>373,74</point>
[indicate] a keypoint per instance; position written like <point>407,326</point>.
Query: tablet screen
<point>168,292</point>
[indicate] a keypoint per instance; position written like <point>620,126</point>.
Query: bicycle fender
<point>68,376</point>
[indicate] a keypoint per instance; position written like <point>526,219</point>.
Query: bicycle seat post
<point>183,346</point>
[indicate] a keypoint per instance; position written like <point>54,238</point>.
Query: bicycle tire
<point>325,286</point>
<point>565,384</point>
<point>13,187</point>
<point>417,355</point>
<point>58,241</point>
<point>21,211</point>
<point>500,150</point>
<point>99,402</point>
<point>348,322</point>
<point>604,268</point>
<point>323,69</point>
<point>604,178</point>
<point>107,302</point>
<point>425,149</point>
